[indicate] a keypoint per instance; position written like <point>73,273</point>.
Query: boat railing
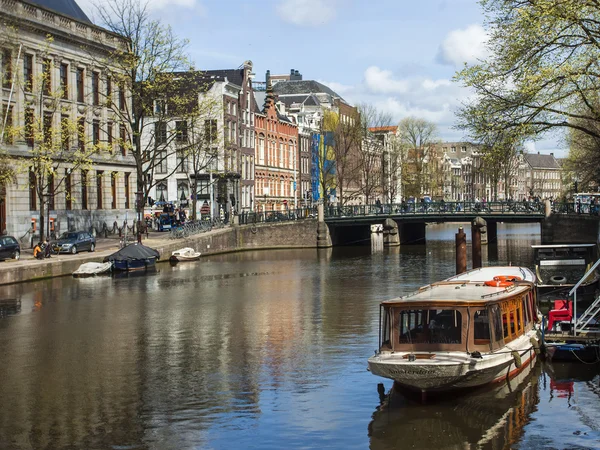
<point>573,292</point>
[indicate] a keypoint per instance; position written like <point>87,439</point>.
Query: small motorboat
<point>476,328</point>
<point>185,254</point>
<point>134,257</point>
<point>92,269</point>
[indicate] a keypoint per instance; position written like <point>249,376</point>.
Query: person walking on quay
<point>578,206</point>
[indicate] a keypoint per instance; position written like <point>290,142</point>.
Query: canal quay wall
<point>570,229</point>
<point>283,235</point>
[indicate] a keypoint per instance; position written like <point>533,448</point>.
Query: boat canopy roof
<point>133,252</point>
<point>469,288</point>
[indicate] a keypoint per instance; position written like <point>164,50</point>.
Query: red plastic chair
<point>562,312</point>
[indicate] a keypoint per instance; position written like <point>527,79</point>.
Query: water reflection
<point>492,418</point>
<point>250,350</point>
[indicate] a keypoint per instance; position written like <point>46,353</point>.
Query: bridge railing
<point>575,208</point>
<point>247,218</point>
<point>436,208</point>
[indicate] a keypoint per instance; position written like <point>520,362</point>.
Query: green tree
<point>542,70</point>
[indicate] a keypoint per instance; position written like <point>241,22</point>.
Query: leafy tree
<point>417,137</point>
<point>147,83</point>
<point>542,70</point>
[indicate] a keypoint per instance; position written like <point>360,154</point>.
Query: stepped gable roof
<point>538,161</point>
<point>66,7</point>
<point>298,87</point>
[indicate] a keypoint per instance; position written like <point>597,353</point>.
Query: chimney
<point>551,154</point>
<point>267,76</point>
<point>538,152</point>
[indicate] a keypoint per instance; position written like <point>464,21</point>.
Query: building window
<point>123,139</point>
<point>28,72</point>
<point>181,131</point>
<point>210,130</point>
<point>96,132</point>
<point>160,133</point>
<point>161,161</point>
<point>463,149</point>
<point>109,136</point>
<point>47,77</point>
<point>122,97</point>
<point>8,131</point>
<point>80,81</point>
<point>161,191</point>
<point>65,133</point>
<point>182,161</point>
<point>29,133</point>
<point>68,192</point>
<point>99,191</point>
<point>6,73</point>
<point>127,174</point>
<point>95,88</point>
<point>84,189</point>
<point>113,189</point>
<point>64,80</point>
<point>47,128</point>
<point>32,191</point>
<point>108,91</point>
<point>81,134</point>
<point>183,190</point>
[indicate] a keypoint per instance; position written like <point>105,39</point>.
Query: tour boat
<point>91,269</point>
<point>472,329</point>
<point>185,254</point>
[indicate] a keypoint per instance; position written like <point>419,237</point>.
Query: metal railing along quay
<point>250,218</point>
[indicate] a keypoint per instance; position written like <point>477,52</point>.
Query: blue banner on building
<point>314,167</point>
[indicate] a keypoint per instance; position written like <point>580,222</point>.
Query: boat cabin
<point>458,316</point>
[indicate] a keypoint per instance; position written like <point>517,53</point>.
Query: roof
<point>390,129</point>
<point>66,7</point>
<point>304,99</point>
<point>537,161</point>
<point>469,287</point>
<point>297,87</point>
<point>235,76</point>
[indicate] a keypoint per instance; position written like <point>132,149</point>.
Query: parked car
<point>75,241</point>
<point>9,248</point>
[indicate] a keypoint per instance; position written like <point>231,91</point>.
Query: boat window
<point>526,318</point>
<point>505,325</point>
<point>496,322</point>
<point>386,328</point>
<point>430,326</point>
<point>481,327</point>
<point>519,323</point>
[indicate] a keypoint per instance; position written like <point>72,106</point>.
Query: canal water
<point>261,350</point>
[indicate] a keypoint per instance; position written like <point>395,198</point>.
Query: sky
<point>399,55</point>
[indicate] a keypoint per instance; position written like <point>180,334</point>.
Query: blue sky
<point>399,55</point>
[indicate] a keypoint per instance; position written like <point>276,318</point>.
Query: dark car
<point>9,248</point>
<point>75,241</point>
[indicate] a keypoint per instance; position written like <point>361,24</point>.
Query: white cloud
<point>382,82</point>
<point>435,100</point>
<point>307,12</point>
<point>464,46</point>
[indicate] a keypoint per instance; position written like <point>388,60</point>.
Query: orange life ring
<point>502,281</point>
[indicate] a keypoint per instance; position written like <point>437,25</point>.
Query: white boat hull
<point>185,254</point>
<point>454,370</point>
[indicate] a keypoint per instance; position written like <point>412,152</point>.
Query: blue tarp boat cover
<point>133,252</point>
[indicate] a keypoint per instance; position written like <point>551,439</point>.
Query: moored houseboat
<point>472,329</point>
